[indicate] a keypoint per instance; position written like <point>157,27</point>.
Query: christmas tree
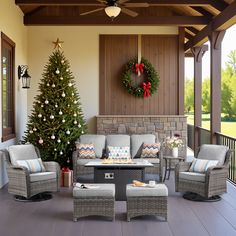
<point>56,121</point>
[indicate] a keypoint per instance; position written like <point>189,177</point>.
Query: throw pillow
<point>201,166</point>
<point>86,150</point>
<point>118,152</point>
<point>33,165</point>
<point>150,150</point>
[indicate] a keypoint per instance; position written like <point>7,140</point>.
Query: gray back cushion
<point>213,152</point>
<point>118,140</point>
<point>22,152</point>
<point>97,140</point>
<point>137,141</point>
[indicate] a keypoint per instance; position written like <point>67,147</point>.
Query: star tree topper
<point>57,44</point>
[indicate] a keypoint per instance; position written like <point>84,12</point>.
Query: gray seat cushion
<point>160,190</point>
<point>102,190</point>
<point>152,160</point>
<point>22,152</point>
<point>98,140</point>
<point>118,140</point>
<point>137,141</point>
<point>192,176</point>
<point>84,161</point>
<point>41,176</point>
<point>213,152</point>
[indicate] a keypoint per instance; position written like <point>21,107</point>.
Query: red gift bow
<point>146,88</point>
<point>139,67</point>
<point>65,169</point>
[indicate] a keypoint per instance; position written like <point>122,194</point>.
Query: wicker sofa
<point>100,142</point>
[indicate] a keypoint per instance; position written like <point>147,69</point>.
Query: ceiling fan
<point>114,7</point>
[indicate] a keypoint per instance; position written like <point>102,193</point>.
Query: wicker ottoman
<point>146,201</point>
<point>97,201</point>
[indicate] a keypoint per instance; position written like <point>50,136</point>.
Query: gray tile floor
<point>54,218</point>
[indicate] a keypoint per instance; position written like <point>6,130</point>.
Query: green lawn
<point>228,128</point>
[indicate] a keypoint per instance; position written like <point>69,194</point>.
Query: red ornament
<point>146,88</point>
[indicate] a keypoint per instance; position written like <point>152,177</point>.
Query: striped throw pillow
<point>150,150</point>
<point>86,151</point>
<point>201,166</point>
<point>33,165</point>
<point>118,152</point>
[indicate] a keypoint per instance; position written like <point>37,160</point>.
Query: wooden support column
<point>181,72</point>
<point>198,53</point>
<point>215,38</point>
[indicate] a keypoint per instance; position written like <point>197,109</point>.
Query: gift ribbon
<point>65,169</point>
<point>139,67</point>
<point>146,88</point>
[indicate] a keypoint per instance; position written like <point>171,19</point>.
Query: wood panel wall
<point>115,51</point>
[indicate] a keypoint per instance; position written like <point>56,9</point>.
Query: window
<point>8,107</point>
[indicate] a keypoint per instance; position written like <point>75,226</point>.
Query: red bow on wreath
<point>139,67</point>
<point>146,88</point>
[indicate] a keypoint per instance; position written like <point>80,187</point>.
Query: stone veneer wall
<point>162,125</point>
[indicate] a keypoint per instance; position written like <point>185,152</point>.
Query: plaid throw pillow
<point>118,152</point>
<point>33,165</point>
<point>150,150</point>
<point>201,166</point>
<point>86,150</point>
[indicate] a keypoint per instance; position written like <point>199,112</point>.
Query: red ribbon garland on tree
<point>139,67</point>
<point>146,88</point>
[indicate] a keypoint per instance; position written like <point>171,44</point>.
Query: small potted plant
<point>174,143</point>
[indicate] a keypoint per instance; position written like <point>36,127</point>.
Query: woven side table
<point>98,201</point>
<point>146,201</point>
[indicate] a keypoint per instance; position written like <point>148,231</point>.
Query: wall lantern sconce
<point>23,74</point>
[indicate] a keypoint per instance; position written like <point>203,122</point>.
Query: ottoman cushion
<point>160,190</point>
<point>99,190</point>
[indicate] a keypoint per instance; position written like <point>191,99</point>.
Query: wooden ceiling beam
<point>124,20</point>
<point>192,29</point>
<point>202,11</point>
<point>219,5</point>
<point>221,22</point>
<point>151,2</point>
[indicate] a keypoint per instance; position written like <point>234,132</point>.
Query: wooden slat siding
<point>161,51</point>
<point>117,49</point>
<point>181,71</point>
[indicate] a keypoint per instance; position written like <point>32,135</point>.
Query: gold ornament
<point>57,44</point>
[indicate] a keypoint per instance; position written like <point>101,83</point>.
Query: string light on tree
<point>54,109</point>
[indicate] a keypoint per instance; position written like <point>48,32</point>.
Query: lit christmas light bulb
<point>58,140</point>
<point>53,85</point>
<point>51,117</point>
<point>46,101</point>
<point>39,115</point>
<point>34,129</point>
<point>60,112</point>
<point>61,78</point>
<point>63,94</point>
<point>70,84</point>
<point>53,136</point>
<point>57,71</point>
<point>40,141</point>
<point>68,132</point>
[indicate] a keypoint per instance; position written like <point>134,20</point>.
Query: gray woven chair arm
<point>182,166</point>
<point>18,176</point>
<point>216,170</point>
<point>51,166</point>
<point>23,168</point>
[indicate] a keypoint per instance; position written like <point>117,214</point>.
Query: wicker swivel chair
<point>30,186</point>
<point>204,186</point>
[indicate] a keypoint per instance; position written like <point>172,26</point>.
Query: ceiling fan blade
<point>122,1</point>
<point>102,1</point>
<point>129,12</point>
<point>133,4</point>
<point>90,12</point>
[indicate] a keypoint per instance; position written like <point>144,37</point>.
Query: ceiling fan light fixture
<point>112,11</point>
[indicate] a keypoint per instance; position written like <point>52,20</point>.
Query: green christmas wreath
<point>140,79</point>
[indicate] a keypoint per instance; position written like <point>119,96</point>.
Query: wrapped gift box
<point>66,177</point>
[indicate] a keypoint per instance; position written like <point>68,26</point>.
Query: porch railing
<point>205,138</point>
<point>231,143</point>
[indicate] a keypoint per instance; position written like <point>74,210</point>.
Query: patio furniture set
<point>206,176</point>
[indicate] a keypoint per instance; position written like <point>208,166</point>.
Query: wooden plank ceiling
<point>197,16</point>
